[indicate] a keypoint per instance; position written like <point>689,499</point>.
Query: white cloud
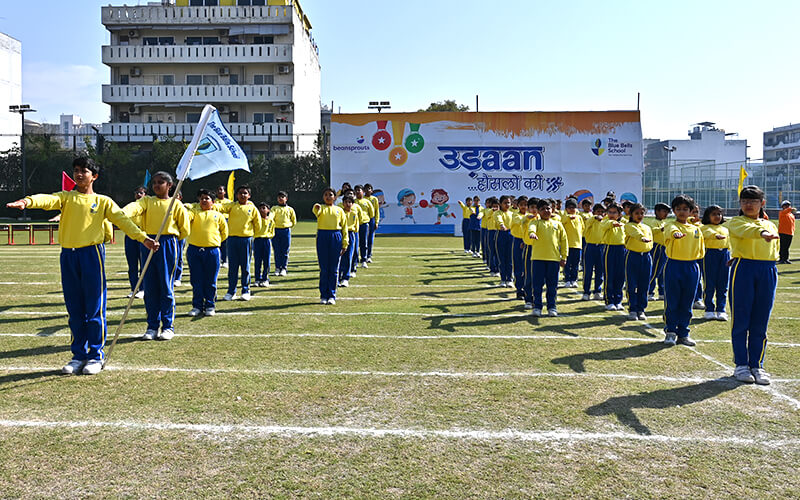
<point>54,89</point>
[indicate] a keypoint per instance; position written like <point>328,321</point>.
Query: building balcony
<point>194,54</point>
<point>200,94</point>
<point>212,17</point>
<point>242,132</point>
<point>781,145</point>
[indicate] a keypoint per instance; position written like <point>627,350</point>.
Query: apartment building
<point>255,60</point>
<point>10,90</point>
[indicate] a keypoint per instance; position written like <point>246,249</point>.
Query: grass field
<point>425,380</point>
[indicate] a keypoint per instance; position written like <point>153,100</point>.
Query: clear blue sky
<point>730,62</point>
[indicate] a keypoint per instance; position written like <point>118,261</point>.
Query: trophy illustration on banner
<point>381,140</point>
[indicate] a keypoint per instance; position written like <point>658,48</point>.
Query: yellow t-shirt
<point>518,225</point>
<point>267,226</point>
<point>503,218</point>
<point>376,208</point>
<point>466,211</point>
<point>593,232</point>
<point>573,224</point>
<point>634,232</point>
<point>153,210</point>
<point>746,240</point>
<point>208,228</point>
<point>284,216</point>
<point>331,217</point>
<point>710,232</point>
<point>352,219</point>
<point>552,242</point>
<point>690,247</point>
<point>657,227</point>
<point>613,232</point>
<point>243,220</point>
<point>366,210</point>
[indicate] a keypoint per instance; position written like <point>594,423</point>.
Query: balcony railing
<point>139,54</point>
<point>245,132</point>
<point>135,94</point>
<point>167,15</point>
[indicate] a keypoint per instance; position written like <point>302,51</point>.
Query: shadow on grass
<point>30,377</point>
<point>438,322</point>
<point>623,406</point>
<point>576,361</point>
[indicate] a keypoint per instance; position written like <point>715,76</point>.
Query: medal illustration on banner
<point>381,140</point>
<point>414,142</point>
<point>398,155</point>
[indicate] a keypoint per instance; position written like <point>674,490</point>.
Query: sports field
<point>424,380</point>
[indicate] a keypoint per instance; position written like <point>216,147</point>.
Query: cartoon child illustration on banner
<point>439,199</point>
<point>378,193</point>
<point>406,199</point>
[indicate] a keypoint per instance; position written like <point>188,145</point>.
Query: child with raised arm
<point>715,262</point>
<point>351,214</point>
<point>332,242</point>
<point>502,221</point>
<point>208,231</point>
<point>366,214</point>
<point>285,220</point>
<point>159,298</point>
<point>684,246</point>
<point>466,213</point>
<point>638,262</point>
<point>593,256</point>
<point>658,254</point>
<point>475,227</point>
<point>83,277</point>
<point>531,215</point>
<point>244,221</point>
<point>614,240</point>
<point>754,279</point>
<point>519,224</point>
<point>573,224</point>
<point>133,255</point>
<point>374,222</point>
<point>262,245</point>
<point>548,253</point>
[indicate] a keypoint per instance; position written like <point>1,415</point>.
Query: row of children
<point>617,245</point>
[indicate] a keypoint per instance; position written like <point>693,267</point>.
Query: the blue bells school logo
<point>598,147</point>
<point>207,145</point>
<point>93,208</point>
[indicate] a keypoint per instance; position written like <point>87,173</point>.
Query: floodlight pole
<point>379,105</point>
<point>22,109</point>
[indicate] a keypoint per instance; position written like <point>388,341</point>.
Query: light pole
<point>379,105</point>
<point>670,150</point>
<point>22,109</point>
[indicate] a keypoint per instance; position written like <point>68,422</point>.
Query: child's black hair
<point>282,193</point>
<point>710,210</point>
<point>586,201</point>
<point>348,197</point>
<point>522,199</point>
<point>139,188</point>
<point>263,204</point>
<point>683,199</point>
<point>753,193</point>
<point>328,189</point>
<point>368,186</point>
<point>544,202</point>
<point>598,206</point>
<point>164,175</point>
<point>87,163</point>
<point>626,203</point>
<point>244,187</point>
<point>607,201</point>
<point>357,187</point>
<point>571,203</point>
<point>533,201</point>
<point>346,185</point>
<point>205,192</point>
<point>505,197</point>
<point>661,206</point>
<point>616,206</point>
<point>637,206</point>
<point>348,192</point>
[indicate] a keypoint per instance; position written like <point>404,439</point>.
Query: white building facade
<point>10,90</point>
<point>257,64</point>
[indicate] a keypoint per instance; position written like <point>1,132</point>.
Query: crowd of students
<point>692,261</point>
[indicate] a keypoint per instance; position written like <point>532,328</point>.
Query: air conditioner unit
<point>284,69</point>
<point>133,33</point>
<point>134,110</point>
<point>287,107</point>
<point>224,70</point>
<point>136,71</point>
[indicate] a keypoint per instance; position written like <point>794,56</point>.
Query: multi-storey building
<point>10,90</point>
<point>782,163</point>
<point>254,60</point>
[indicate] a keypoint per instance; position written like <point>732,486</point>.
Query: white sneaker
<point>761,377</point>
<point>228,296</point>
<point>345,283</point>
<point>537,313</point>
<point>265,283</point>
<point>611,307</point>
<point>528,305</point>
<point>710,315</point>
<point>166,334</point>
<point>194,312</point>
<point>670,338</point>
<point>210,311</point>
<point>130,294</point>
<point>585,297</point>
<point>176,283</point>
<point>552,313</point>
<point>722,316</point>
<point>597,296</point>
<point>332,302</point>
<point>369,259</point>
<point>352,274</point>
<point>742,373</point>
<point>277,272</point>
<point>509,284</point>
<point>225,265</point>
<point>149,334</point>
<point>73,367</point>
<point>93,367</point>
<point>364,265</point>
<point>323,301</point>
<point>633,315</point>
<point>651,297</point>
<point>619,307</point>
<point>698,304</point>
<point>574,284</point>
<point>283,272</point>
<point>246,296</point>
<point>139,294</point>
<point>642,316</point>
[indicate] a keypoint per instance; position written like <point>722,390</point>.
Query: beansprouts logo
<point>360,140</point>
<point>598,147</point>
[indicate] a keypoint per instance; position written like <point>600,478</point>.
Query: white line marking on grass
<point>513,435</point>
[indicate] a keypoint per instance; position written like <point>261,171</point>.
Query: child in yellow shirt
<point>208,231</point>
<point>715,262</point>
<point>548,253</point>
<point>262,245</point>
<point>332,242</point>
<point>638,262</point>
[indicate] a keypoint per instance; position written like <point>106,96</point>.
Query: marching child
<point>332,242</point>
<point>638,263</point>
<point>475,227</point>
<point>262,245</point>
<point>222,197</point>
<point>486,214</point>
<point>357,215</point>
<point>352,218</point>
<point>614,239</point>
<point>366,214</point>
<point>502,220</point>
<point>715,262</point>
<point>698,295</point>
<point>658,254</point>
<point>82,260</point>
<point>244,221</point>
<point>132,253</point>
<point>208,231</point>
<point>493,205</point>
<point>466,212</point>
<point>159,299</point>
<point>754,278</point>
<point>532,214</point>
<point>593,257</point>
<point>548,253</point>
<point>285,220</point>
<point>684,247</point>
<point>374,221</point>
<point>573,224</point>
<point>519,224</point>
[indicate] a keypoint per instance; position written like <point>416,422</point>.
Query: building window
<point>210,80</point>
<point>167,79</point>
<point>166,40</point>
<point>210,40</point>
<point>201,3</point>
<point>263,79</point>
<point>124,39</point>
<point>193,40</point>
<point>124,79</point>
<point>194,79</point>
<point>234,40</point>
<point>263,40</point>
<point>192,117</point>
<point>263,118</point>
<point>251,2</point>
<point>234,80</point>
<point>150,40</point>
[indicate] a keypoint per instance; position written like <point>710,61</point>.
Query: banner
<point>422,164</point>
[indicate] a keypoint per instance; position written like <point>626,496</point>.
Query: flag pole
<point>187,160</point>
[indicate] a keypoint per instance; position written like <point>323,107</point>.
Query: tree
<point>447,105</point>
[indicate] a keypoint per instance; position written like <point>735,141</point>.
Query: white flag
<point>212,149</point>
